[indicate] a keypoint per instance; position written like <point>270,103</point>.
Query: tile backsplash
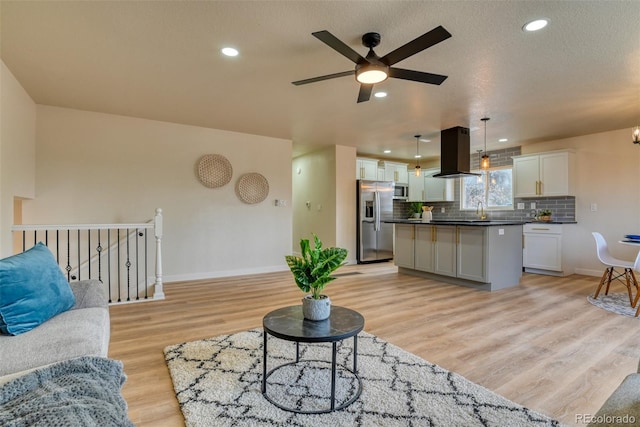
<point>562,208</point>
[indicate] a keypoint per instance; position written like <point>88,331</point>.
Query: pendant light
<point>417,171</point>
<point>636,135</point>
<point>484,162</point>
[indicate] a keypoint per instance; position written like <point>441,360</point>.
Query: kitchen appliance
<point>455,158</point>
<point>374,236</point>
<point>401,192</point>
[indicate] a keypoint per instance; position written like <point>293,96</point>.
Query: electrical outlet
<point>441,210</point>
<point>594,207</point>
<point>520,205</point>
<point>533,205</point>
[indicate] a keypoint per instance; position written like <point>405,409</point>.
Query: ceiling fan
<point>373,69</point>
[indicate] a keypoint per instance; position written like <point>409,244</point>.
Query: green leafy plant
<point>544,212</point>
<point>415,207</point>
<point>312,270</point>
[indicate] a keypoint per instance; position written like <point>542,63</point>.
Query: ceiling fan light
<point>636,135</point>
<point>371,74</point>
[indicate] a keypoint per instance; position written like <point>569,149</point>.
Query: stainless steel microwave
<point>401,192</point>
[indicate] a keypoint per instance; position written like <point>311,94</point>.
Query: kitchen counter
<point>463,222</point>
<point>483,255</point>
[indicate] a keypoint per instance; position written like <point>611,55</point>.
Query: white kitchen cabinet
<point>366,169</point>
<point>542,248</point>
<point>471,253</point>
<point>544,174</point>
<point>445,251</point>
<point>437,189</point>
<point>396,172</point>
<point>416,188</point>
<point>404,245</point>
<point>483,257</point>
<point>424,248</point>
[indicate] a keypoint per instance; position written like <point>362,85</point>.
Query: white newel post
<point>158,292</point>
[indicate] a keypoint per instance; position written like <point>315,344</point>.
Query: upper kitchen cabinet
<point>396,172</point>
<point>437,189</point>
<point>544,174</point>
<point>366,169</point>
<point>426,188</point>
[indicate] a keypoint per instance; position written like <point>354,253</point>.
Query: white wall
<point>326,180</point>
<point>101,168</point>
<point>17,152</point>
<point>608,174</point>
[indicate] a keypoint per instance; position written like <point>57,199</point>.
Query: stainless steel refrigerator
<point>374,237</point>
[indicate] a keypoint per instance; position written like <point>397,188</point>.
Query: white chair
<point>612,263</point>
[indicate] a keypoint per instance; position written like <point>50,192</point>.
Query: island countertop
<point>463,222</point>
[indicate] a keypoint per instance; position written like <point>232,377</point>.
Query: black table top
<point>289,324</point>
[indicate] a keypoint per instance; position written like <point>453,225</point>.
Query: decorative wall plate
<point>252,188</point>
<point>214,170</point>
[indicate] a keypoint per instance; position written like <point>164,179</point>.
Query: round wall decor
<point>214,170</point>
<point>252,188</point>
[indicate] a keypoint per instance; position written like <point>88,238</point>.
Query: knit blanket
<point>78,392</point>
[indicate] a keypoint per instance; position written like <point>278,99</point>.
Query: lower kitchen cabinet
<point>542,249</point>
<point>445,250</point>
<point>424,248</point>
<point>471,253</point>
<point>404,245</point>
<point>483,257</point>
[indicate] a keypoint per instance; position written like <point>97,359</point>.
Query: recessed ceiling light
<point>503,140</point>
<point>229,51</point>
<point>386,151</point>
<point>535,25</point>
<point>380,94</point>
<point>424,140</point>
<point>417,156</point>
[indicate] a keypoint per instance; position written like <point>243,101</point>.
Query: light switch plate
<point>520,205</point>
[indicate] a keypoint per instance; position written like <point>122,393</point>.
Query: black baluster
<point>89,251</point>
<point>99,250</point>
<point>79,265</point>
<point>137,267</point>
<point>145,265</point>
<point>24,240</point>
<point>119,286</point>
<point>68,267</point>
<point>128,264</point>
<point>109,260</point>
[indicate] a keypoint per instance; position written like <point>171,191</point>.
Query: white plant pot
<point>316,309</point>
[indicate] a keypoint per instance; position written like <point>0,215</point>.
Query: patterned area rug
<point>218,383</point>
<point>615,303</point>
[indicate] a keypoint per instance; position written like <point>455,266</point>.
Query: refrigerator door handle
<point>376,198</point>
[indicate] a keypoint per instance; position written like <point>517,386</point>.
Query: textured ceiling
<point>160,60</point>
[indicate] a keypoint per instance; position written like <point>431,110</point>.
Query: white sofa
<point>84,330</point>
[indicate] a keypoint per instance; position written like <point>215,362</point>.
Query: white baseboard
<point>224,273</point>
<point>589,272</point>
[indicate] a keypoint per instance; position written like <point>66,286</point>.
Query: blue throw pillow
<point>32,290</point>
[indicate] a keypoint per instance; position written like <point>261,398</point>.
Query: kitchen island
<point>481,254</point>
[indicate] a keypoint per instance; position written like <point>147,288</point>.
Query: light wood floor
<point>540,344</point>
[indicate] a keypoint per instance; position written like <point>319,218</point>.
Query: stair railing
<point>116,254</point>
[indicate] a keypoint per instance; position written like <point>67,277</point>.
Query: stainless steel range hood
<point>455,158</point>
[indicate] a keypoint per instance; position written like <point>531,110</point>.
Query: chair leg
<point>606,292</point>
<point>627,276</point>
<point>602,282</point>
<point>634,282</point>
<point>636,302</point>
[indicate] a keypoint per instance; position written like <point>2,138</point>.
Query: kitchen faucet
<point>480,210</point>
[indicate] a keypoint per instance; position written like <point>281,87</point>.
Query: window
<point>493,188</point>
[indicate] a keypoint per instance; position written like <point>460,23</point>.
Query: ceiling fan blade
<point>321,78</point>
<point>365,92</point>
<point>421,43</point>
<point>336,44</point>
<point>416,76</point>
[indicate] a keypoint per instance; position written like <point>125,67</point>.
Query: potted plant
<point>311,272</point>
<point>544,215</point>
<point>415,209</point>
